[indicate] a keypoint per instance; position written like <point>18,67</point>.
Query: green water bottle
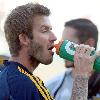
<point>66,50</point>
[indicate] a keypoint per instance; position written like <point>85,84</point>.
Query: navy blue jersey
<point>1,67</point>
<point>17,83</point>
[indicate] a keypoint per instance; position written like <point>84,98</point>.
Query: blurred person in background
<point>80,31</point>
<point>3,58</point>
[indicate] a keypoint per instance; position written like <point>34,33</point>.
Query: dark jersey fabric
<point>16,86</point>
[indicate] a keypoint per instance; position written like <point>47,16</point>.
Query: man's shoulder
<point>58,77</point>
<point>14,76</point>
<point>18,78</point>
<point>19,82</point>
<point>55,80</point>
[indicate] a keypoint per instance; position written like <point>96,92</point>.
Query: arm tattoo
<point>80,88</point>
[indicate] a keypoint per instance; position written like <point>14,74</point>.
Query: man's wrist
<point>80,87</point>
<point>81,76</point>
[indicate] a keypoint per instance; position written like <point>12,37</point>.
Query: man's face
<point>43,40</point>
<point>69,34</point>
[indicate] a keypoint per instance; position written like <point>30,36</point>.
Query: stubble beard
<point>35,53</point>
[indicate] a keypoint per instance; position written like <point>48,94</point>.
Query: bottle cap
<point>57,46</point>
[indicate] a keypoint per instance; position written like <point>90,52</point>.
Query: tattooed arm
<point>83,63</point>
<point>80,88</point>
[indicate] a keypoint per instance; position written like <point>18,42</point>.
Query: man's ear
<point>24,40</point>
<point>90,42</point>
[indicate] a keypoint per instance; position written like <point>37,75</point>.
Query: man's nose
<point>53,37</point>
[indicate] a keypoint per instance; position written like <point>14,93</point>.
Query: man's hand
<point>83,61</point>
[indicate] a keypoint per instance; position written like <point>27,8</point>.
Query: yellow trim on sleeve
<point>38,83</point>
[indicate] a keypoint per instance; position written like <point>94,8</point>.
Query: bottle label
<point>67,50</point>
<point>70,47</point>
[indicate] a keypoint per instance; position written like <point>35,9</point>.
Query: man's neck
<point>30,65</point>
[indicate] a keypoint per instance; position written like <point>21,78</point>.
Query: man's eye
<point>44,31</point>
